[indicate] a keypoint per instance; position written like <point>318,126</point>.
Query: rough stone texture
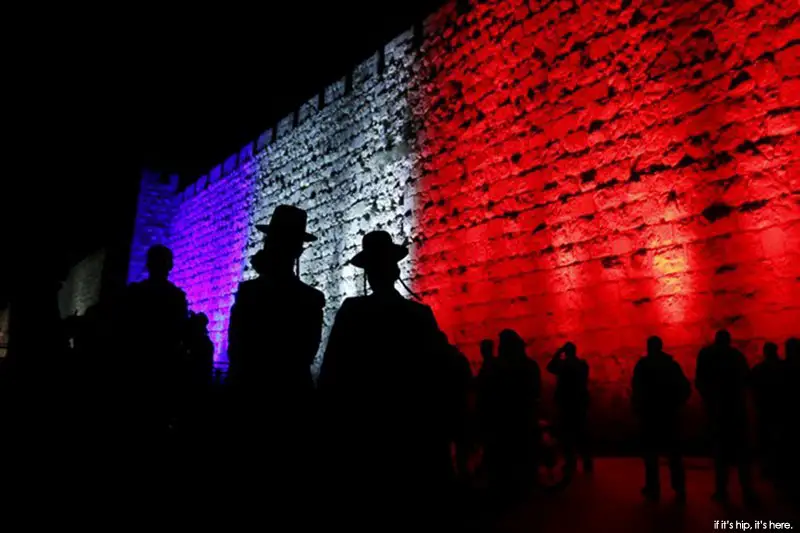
<point>208,237</point>
<point>155,210</point>
<point>81,289</point>
<point>603,171</point>
<point>595,171</point>
<point>349,166</point>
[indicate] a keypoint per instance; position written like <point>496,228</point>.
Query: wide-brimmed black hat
<point>287,222</point>
<point>377,248</point>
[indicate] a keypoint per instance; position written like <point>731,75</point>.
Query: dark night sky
<point>95,101</point>
<point>182,91</point>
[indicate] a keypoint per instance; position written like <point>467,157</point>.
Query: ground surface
<point>610,501</point>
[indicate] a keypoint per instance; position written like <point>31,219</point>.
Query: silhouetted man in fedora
<point>383,385</point>
<point>274,335</point>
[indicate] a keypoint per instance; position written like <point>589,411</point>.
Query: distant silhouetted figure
<point>483,388</point>
<point>200,351</point>
<point>792,352</point>
<point>37,336</point>
<point>659,391</point>
<point>721,379</point>
<point>572,400</point>
<point>199,370</point>
<point>460,383</point>
<point>383,385</point>
<point>790,441</point>
<point>274,335</point>
<point>769,392</point>
<point>515,389</point>
<point>792,368</point>
<point>154,321</point>
<point>103,363</point>
<point>37,440</point>
<point>487,356</point>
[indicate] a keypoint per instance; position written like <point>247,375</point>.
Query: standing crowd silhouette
<point>392,428</point>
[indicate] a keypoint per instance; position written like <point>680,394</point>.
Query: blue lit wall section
<point>206,226</point>
<point>208,236</point>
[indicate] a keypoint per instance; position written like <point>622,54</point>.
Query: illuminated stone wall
<point>603,171</point>
<point>594,171</point>
<point>81,289</point>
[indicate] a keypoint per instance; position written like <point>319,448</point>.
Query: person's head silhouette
<point>570,350</point>
<point>159,262</point>
<point>654,345</point>
<point>770,351</point>
<point>792,349</point>
<point>199,321</point>
<point>511,345</point>
<point>487,349</point>
<point>284,237</point>
<point>722,338</point>
<point>379,258</point>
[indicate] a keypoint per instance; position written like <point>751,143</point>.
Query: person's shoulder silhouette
<point>156,298</point>
<point>382,322</point>
<point>312,295</point>
<point>419,309</point>
<point>659,383</point>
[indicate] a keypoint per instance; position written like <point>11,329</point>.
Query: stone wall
<point>597,171</point>
<point>81,289</point>
<point>604,171</point>
<point>344,156</point>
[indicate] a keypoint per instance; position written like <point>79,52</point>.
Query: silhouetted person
<point>199,350</point>
<point>276,320</point>
<point>721,379</point>
<point>34,386</point>
<point>199,369</point>
<point>767,379</point>
<point>515,389</point>
<point>792,369</point>
<point>383,383</point>
<point>659,391</point>
<point>572,401</point>
<point>153,324</point>
<point>483,389</point>
<point>37,336</point>
<point>487,354</point>
<point>274,334</point>
<point>792,351</point>
<point>459,386</point>
<point>101,365</point>
<point>790,441</point>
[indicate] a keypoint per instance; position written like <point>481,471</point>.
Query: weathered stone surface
<point>589,171</point>
<point>81,289</point>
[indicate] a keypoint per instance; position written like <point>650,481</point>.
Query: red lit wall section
<point>604,171</point>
